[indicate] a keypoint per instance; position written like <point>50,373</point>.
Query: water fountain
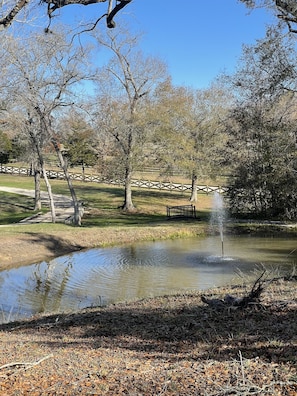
<point>218,217</point>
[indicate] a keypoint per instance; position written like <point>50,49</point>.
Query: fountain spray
<point>218,216</point>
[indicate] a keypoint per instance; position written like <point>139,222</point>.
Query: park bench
<point>185,211</point>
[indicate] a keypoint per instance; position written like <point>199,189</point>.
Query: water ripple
<point>102,276</point>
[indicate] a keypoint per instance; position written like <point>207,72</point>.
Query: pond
<point>103,276</point>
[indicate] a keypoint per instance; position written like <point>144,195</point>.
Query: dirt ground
<point>172,345</point>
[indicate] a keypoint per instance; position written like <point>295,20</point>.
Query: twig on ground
<point>245,390</point>
<point>242,367</point>
<point>24,365</point>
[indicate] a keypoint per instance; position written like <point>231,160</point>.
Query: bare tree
<point>43,76</point>
<point>37,136</point>
<point>284,10</point>
<point>17,124</point>
<point>10,9</point>
<point>125,84</point>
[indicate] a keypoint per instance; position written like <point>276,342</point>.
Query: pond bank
<point>27,244</point>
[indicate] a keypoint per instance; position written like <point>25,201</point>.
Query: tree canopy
<point>262,131</point>
<point>285,10</point>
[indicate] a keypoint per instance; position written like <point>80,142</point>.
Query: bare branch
<point>7,20</point>
<point>110,22</point>
<point>53,5</point>
<point>252,299</point>
<point>285,10</point>
<point>25,365</point>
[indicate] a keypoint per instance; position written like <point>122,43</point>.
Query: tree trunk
<point>45,122</point>
<point>194,196</point>
<point>50,194</point>
<point>37,187</point>
<point>128,204</point>
<point>47,183</point>
<point>76,205</point>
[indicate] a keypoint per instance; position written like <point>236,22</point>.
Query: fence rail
<point>154,185</point>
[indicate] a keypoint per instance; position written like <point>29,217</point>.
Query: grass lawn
<point>101,201</point>
<point>14,208</point>
<point>104,223</point>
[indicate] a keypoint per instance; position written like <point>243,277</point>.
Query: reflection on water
<point>102,276</point>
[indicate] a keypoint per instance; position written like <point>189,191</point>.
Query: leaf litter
<point>169,345</point>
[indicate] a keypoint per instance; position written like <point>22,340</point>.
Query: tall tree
<point>263,132</point>
<point>81,143</point>
<point>22,145</point>
<point>187,132</point>
<point>125,85</point>
<point>43,79</point>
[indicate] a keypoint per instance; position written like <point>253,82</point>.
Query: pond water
<point>102,276</point>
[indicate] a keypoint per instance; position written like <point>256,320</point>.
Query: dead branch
<point>24,365</point>
<point>252,298</point>
<point>53,5</point>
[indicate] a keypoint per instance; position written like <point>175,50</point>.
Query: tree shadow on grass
<point>12,206</point>
<point>117,191</point>
<point>53,244</point>
<point>15,208</point>
<point>177,328</point>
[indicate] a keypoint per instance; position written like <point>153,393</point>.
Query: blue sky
<point>197,41</point>
<point>199,45</point>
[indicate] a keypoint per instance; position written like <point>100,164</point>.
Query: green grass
<point>14,208</point>
<point>102,203</point>
<point>17,181</point>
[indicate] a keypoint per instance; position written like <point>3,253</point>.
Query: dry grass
<point>172,345</point>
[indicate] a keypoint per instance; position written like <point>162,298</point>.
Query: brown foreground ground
<point>172,345</point>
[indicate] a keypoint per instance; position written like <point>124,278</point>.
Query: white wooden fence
<point>154,185</point>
